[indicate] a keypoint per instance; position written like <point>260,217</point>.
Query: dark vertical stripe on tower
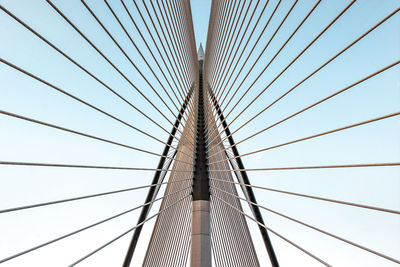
<point>158,178</point>
<point>248,190</point>
<point>201,189</point>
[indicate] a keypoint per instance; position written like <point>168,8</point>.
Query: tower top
<point>200,53</point>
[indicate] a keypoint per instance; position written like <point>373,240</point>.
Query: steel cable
<point>318,198</point>
<point>272,231</point>
<point>314,228</point>
<point>81,229</point>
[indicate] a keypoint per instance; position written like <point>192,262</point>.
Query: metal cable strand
<point>185,220</point>
<point>106,58</point>
<point>238,47</point>
<point>236,244</point>
<point>182,31</point>
<point>182,34</point>
<point>225,64</point>
<point>210,36</point>
<point>81,67</point>
<point>246,44</point>
<point>318,198</point>
<point>140,52</point>
<point>385,164</point>
<point>83,134</point>
<point>178,68</point>
<point>185,33</point>
<point>240,235</point>
<point>157,245</point>
<point>151,52</point>
<point>85,197</point>
<point>230,244</point>
<point>221,55</point>
<point>168,40</point>
<point>174,67</point>
<point>83,229</point>
<point>226,244</point>
<point>222,40</point>
<point>316,103</point>
<point>155,60</point>
<point>37,164</point>
<point>215,237</point>
<point>317,70</point>
<point>215,253</point>
<point>133,64</point>
<point>290,64</point>
<point>218,28</point>
<point>178,241</point>
<point>223,247</point>
<point>166,226</point>
<point>179,59</point>
<point>317,135</point>
<point>314,228</point>
<point>228,241</point>
<point>177,46</point>
<point>124,233</point>
<point>272,231</point>
<point>82,101</point>
<point>216,9</point>
<point>264,49</point>
<point>256,42</point>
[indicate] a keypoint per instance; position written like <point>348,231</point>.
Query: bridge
<point>128,139</point>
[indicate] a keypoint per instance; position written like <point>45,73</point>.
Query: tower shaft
<point>201,238</point>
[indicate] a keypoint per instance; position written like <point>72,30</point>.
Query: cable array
<point>244,61</point>
<point>167,67</point>
<point>282,89</point>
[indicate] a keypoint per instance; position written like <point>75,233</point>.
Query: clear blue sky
<point>377,142</point>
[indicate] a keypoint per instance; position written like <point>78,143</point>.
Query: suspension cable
<point>287,67</point>
<point>177,54</point>
<point>266,46</point>
<point>315,197</point>
<point>83,69</point>
<point>108,60</point>
<point>312,227</point>
<point>84,134</point>
<point>140,53</point>
<point>126,232</point>
<point>247,42</point>
<point>272,231</point>
<point>313,136</point>
<point>85,228</point>
<point>177,78</point>
<point>317,103</point>
<point>385,164</point>
<point>315,71</point>
<point>130,60</point>
<point>86,196</point>
<point>130,38</point>
<point>37,164</point>
<point>221,54</point>
<point>224,64</point>
<point>277,53</point>
<point>82,101</point>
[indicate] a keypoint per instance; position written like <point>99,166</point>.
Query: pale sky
<point>372,143</point>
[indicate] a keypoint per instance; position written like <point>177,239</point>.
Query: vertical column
<point>200,255</point>
<point>201,239</point>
